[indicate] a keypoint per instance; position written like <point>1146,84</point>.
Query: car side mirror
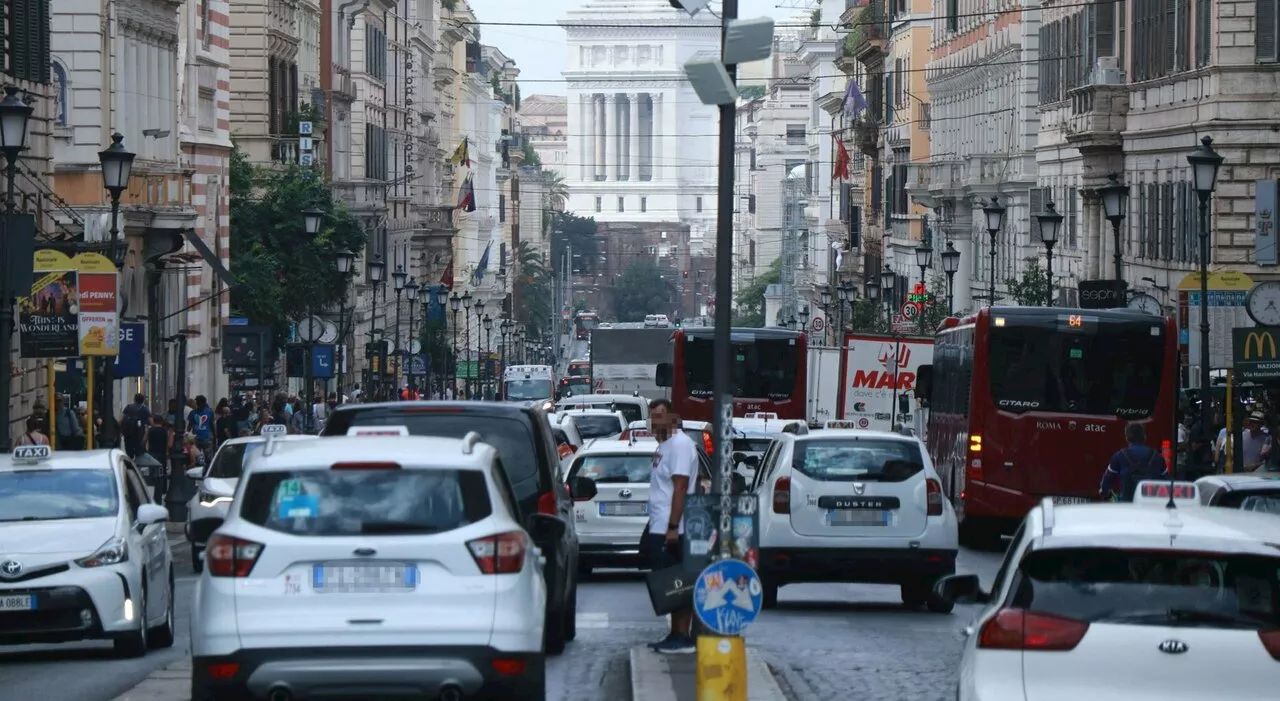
<point>582,489</point>
<point>739,484</point>
<point>662,375</point>
<point>195,473</point>
<point>546,529</point>
<point>152,513</point>
<point>962,588</point>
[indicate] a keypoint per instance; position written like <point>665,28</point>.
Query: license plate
<point>361,579</point>
<point>1071,500</point>
<point>622,508</point>
<point>17,603</point>
<point>840,517</point>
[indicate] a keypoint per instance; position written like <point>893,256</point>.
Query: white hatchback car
<point>217,484</point>
<point>610,523</point>
<point>1253,491</point>
<point>1116,602</point>
<point>83,552</point>
<point>594,423</point>
<point>372,567</point>
<point>854,506</point>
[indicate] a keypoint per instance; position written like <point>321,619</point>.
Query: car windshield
<point>228,462</point>
<point>365,502</point>
<point>1090,369</point>
<point>862,460</point>
<point>613,469</point>
<point>50,495</point>
<point>1253,499</point>
<point>762,368</point>
<point>1268,504</point>
<point>1159,588</point>
<point>596,425</point>
<point>528,389</point>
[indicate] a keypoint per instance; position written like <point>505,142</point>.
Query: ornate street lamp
<point>950,264</point>
<point>311,220</point>
<point>117,167</point>
<point>1050,222</point>
<point>888,286</point>
<point>1115,204</point>
<point>994,212</point>
<point>1205,163</point>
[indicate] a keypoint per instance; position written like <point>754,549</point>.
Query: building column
<point>633,149</point>
<point>612,142</point>
<point>657,139</point>
<point>586,151</point>
<point>599,135</point>
<point>1097,243</point>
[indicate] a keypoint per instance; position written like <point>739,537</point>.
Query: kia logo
<point>10,568</point>
<point>1173,647</point>
<point>624,494</point>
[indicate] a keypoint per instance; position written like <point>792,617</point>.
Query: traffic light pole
<point>722,377</point>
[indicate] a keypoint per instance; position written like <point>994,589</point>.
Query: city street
<point>824,642</point>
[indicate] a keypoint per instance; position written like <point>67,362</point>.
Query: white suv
<point>372,566</point>
<point>610,523</point>
<point>854,506</point>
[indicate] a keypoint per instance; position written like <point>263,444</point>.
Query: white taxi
<point>594,423</point>
<point>1252,491</point>
<point>376,565</point>
<point>610,523</point>
<point>83,552</point>
<point>1158,599</point>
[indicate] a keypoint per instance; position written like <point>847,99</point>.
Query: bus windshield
<point>1095,369</point>
<point>762,369</point>
<point>528,389</point>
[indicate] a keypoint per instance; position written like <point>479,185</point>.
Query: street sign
<point>910,311</point>
<point>1254,354</point>
<point>237,321</point>
<point>305,128</point>
<point>818,323</point>
<point>131,362</point>
<point>727,597</point>
<point>1227,290</point>
<point>322,361</point>
<point>274,430</point>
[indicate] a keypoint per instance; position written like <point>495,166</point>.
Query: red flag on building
<point>840,170</point>
<point>447,278</point>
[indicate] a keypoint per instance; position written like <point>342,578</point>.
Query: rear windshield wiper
<point>374,527</point>
<point>1186,615</point>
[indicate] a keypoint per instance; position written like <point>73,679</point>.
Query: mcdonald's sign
<point>1255,354</point>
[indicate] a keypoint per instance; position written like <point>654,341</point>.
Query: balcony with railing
<point>1098,115</point>
<point>868,37</point>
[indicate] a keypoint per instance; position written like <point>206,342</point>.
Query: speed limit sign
<point>818,323</point>
<point>910,311</point>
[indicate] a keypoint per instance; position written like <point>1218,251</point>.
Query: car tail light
<point>365,466</point>
<point>547,504</point>
<point>933,490</point>
<point>499,554</point>
<point>1271,641</point>
<point>508,667</point>
<point>223,670</point>
<point>228,556</point>
<point>1016,629</point>
<point>782,496</point>
<point>707,444</point>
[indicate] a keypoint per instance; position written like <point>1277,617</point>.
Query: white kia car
<point>1116,602</point>
<point>374,567</point>
<point>83,552</point>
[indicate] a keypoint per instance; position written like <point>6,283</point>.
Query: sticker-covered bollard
<point>722,669</point>
<point>726,598</point>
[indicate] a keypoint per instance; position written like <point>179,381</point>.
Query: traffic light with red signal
<point>686,273</point>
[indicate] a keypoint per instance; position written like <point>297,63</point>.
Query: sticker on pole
<point>274,430</point>
<point>727,597</point>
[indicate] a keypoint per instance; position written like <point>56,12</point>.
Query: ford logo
<point>10,568</point>
<point>624,494</point>
<point>1173,647</point>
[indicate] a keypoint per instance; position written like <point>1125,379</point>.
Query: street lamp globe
<point>377,269</point>
<point>399,278</point>
<point>826,298</point>
<point>15,115</point>
<point>950,259</point>
<point>117,165</point>
<point>1050,221</point>
<point>842,293</point>
<point>425,291</point>
<point>888,278</point>
<point>344,260</point>
<point>924,256</point>
<point>1115,197</point>
<point>311,220</point>
<point>479,305</point>
<point>488,323</point>
<point>1204,167</point>
<point>804,316</point>
<point>411,290</point>
<point>455,301</point>
<point>466,301</point>
<point>873,290</point>
<point>995,215</point>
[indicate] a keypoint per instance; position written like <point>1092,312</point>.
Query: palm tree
<point>557,190</point>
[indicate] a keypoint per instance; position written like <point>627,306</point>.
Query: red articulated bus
<point>583,323</point>
<point>769,372</point>
<point>1032,402</point>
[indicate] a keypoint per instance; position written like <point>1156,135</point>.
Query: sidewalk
<point>173,683</point>
<point>657,677</point>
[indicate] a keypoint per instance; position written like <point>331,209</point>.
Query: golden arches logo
<point>1256,341</point>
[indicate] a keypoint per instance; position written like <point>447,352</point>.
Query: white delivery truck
<point>877,391</point>
<point>625,360</point>
<point>823,391</point>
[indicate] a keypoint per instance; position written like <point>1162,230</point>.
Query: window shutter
<point>1153,220</point>
<point>1073,218</point>
<point>1044,64</point>
<point>855,227</point>
<point>877,187</point>
<point>1035,199</point>
<point>751,204</point>
<point>1204,41</point>
<point>888,198</point>
<point>1265,33</point>
<point>888,98</point>
<point>844,201</point>
<point>1169,37</point>
<point>1104,24</point>
<point>1166,221</point>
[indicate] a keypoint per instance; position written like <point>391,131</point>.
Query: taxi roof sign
<point>839,423</point>
<point>273,430</point>
<point>378,431</point>
<point>31,453</point>
<point>766,415</point>
<point>1161,492</point>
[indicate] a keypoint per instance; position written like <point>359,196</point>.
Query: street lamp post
<point>14,118</point>
<point>480,359</point>
<point>312,219</point>
<point>873,294</point>
<point>888,283</point>
<point>399,279</point>
<point>466,341</point>
<point>427,292</point>
<point>888,286</point>
<point>411,294</point>
<point>488,343</point>
<point>995,219</point>
<point>1204,169</point>
<point>117,166</point>
<point>804,318</point>
<point>455,303</point>
<point>377,272</point>
<point>1115,203</point>
<point>924,259</point>
<point>826,309</point>
<point>344,261</point>
<point>950,264</point>
<point>1050,221</point>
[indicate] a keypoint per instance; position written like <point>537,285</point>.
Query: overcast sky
<point>539,51</point>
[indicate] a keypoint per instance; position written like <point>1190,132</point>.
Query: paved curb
<point>657,677</point>
<point>172,683</point>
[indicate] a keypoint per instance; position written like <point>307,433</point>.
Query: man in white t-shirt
<point>674,476</point>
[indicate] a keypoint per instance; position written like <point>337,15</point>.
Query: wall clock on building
<point>1263,303</point>
<point>1146,303</point>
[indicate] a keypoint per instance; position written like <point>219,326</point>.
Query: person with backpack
<point>133,425</point>
<point>1132,465</point>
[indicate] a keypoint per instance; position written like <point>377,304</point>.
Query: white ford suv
<point>372,566</point>
<point>854,506</point>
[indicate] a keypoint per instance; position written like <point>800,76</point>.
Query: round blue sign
<point>727,597</point>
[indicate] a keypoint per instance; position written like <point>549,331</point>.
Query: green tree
<point>557,190</point>
<point>866,316</point>
<point>640,290</point>
<point>579,233</point>
<point>534,287</point>
<point>751,92</point>
<point>283,273</point>
<point>516,91</point>
<point>749,304</point>
<point>531,157</point>
<point>1032,288</point>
